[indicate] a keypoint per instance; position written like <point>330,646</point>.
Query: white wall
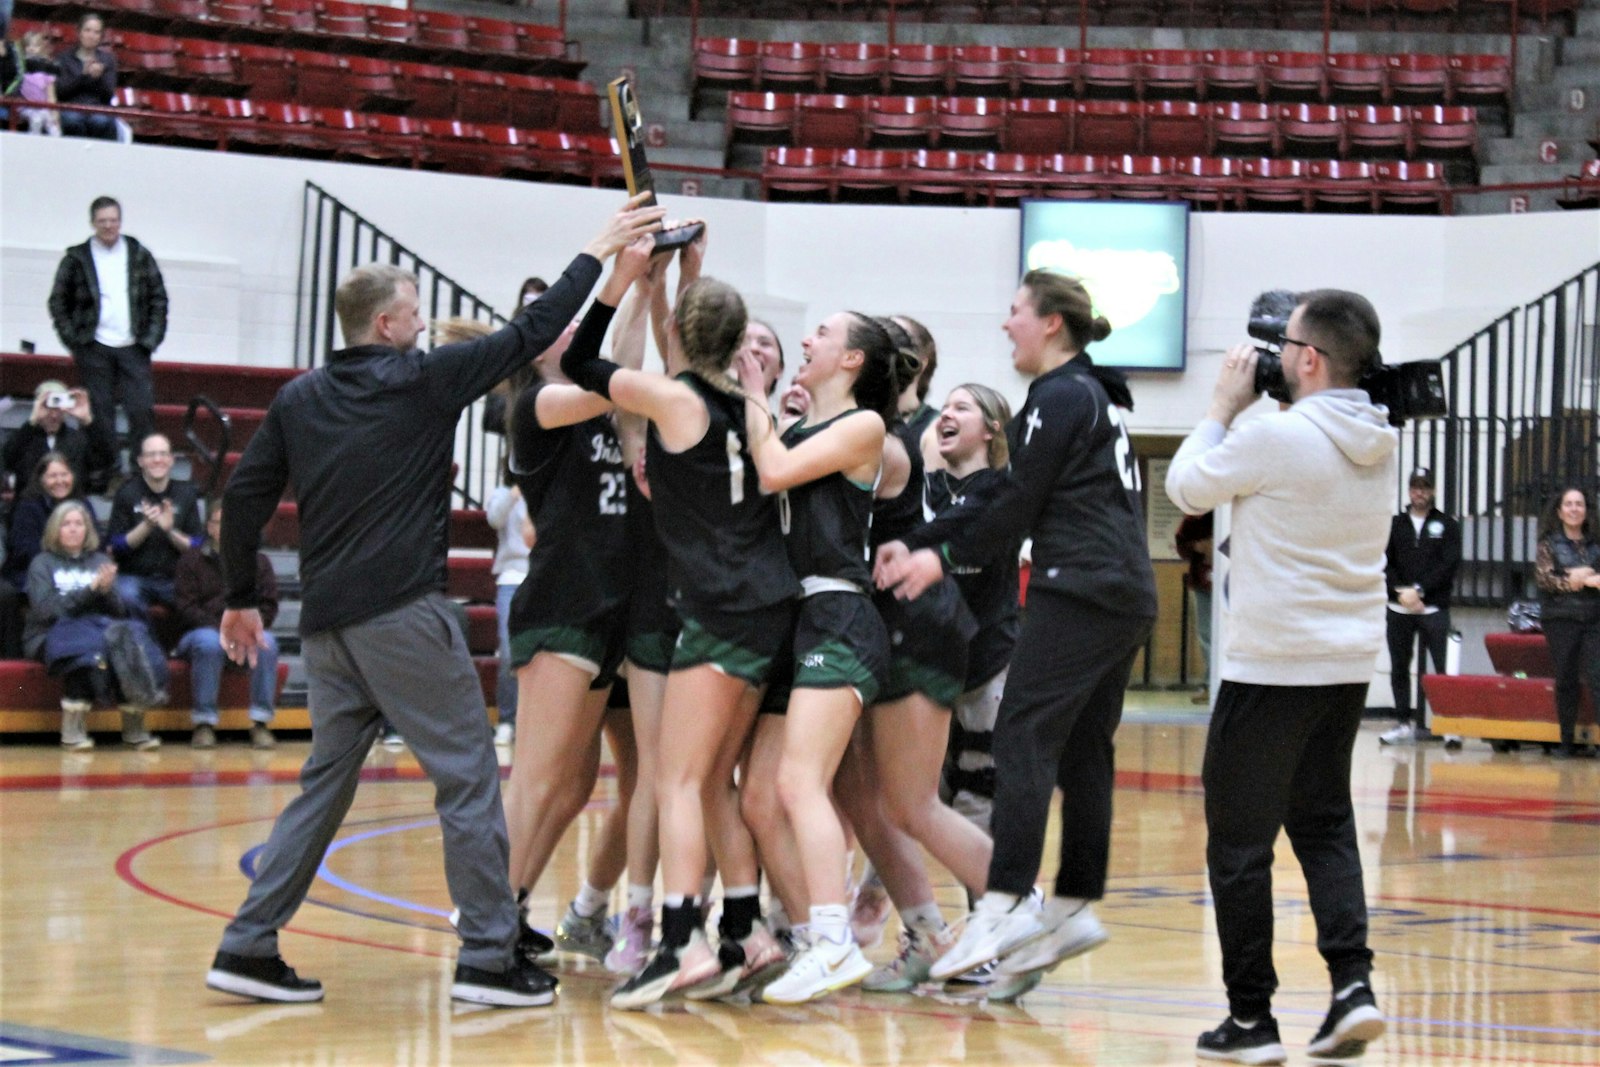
<point>226,229</point>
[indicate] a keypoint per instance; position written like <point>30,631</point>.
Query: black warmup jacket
<point>367,442</point>
<point>1073,487</point>
<point>1429,560</point>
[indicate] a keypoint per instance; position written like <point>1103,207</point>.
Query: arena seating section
<point>30,699</point>
<point>348,81</point>
<point>1517,703</point>
<point>1221,128</point>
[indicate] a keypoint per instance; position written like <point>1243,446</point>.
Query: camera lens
<point>1269,376</point>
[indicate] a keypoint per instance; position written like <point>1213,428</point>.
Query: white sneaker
<point>1402,733</point>
<point>1066,936</point>
<point>910,968</point>
<point>991,933</point>
<point>505,734</point>
<point>824,967</point>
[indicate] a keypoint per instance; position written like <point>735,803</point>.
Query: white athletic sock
<point>734,892</point>
<point>641,896</point>
<point>831,921</point>
<point>590,901</point>
<point>924,919</point>
<point>992,901</point>
<point>674,900</point>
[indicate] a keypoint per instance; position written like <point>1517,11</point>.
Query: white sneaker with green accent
<point>992,931</point>
<point>910,968</point>
<point>1065,936</point>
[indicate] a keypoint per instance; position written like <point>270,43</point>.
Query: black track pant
<point>1403,630</point>
<point>1062,704</point>
<point>1279,757</point>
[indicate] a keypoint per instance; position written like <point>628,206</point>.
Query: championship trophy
<point>626,126</point>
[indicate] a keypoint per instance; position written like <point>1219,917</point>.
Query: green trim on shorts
<point>652,651</point>
<point>835,665</point>
<point>907,676</point>
<point>699,647</point>
<point>562,640</point>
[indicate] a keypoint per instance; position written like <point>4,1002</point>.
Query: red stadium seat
<point>290,19</point>
<point>1206,181</point>
<point>532,103</point>
<point>1170,74</point>
<point>392,30</point>
<point>492,37</point>
<point>1176,128</point>
<point>1244,129</point>
<point>1444,132</point>
<point>237,19</point>
<point>1274,185</point>
<point>394,139</point>
<point>855,68</point>
<point>723,62</point>
<point>792,66</point>
<point>180,16</point>
<point>982,70</point>
<point>1047,71</point>
<point>1141,177</point>
<point>265,71</point>
<point>1229,74</point>
<point>831,120</point>
<point>938,176</point>
<point>342,19</point>
<point>1358,78</point>
<point>1377,132</point>
<point>1071,176</point>
<point>540,42</point>
<point>900,121</point>
<point>432,89</point>
<point>970,121</point>
<point>1410,188</point>
<point>577,107</point>
<point>761,118</point>
<point>148,60</point>
<point>1110,73</point>
<point>1582,190</point>
<point>1419,79</point>
<point>174,125</point>
<point>481,96</point>
<point>442,33</point>
<point>1295,76</point>
<point>1038,126</point>
<point>1480,80</point>
<point>207,66</point>
<point>1342,185</point>
<point>871,175</point>
<point>803,173</point>
<point>1006,177</point>
<point>1106,127</point>
<point>919,68</point>
<point>1311,130</point>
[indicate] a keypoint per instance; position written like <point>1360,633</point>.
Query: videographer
<point>1303,611</point>
<point>1419,570</point>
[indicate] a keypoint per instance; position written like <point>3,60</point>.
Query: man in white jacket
<point>1303,603</point>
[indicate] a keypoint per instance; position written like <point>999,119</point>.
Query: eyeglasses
<point>1287,341</point>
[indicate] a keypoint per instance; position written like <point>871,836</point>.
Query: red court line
<point>200,779</point>
<point>126,873</point>
<point>1447,902</point>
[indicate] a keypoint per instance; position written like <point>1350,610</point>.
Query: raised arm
<point>852,446</point>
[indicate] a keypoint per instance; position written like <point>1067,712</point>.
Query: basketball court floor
<point>119,869</point>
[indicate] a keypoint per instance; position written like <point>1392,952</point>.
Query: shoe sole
<point>758,980</point>
<point>657,991</point>
<point>586,951</point>
<point>1349,1040</point>
<point>1013,987</point>
<point>499,998</point>
<point>1027,964</point>
<point>240,986</point>
<point>1253,1056</point>
<point>842,981</point>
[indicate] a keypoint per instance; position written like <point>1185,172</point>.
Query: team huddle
<point>816,614</point>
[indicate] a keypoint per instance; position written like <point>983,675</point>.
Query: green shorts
<point>839,643</point>
<point>741,644</point>
<point>928,639</point>
<point>596,648</point>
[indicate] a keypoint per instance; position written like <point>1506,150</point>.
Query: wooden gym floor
<point>118,870</point>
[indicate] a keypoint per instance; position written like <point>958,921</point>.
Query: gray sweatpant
<point>410,664</point>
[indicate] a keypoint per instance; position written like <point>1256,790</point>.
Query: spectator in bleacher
<point>12,602</point>
<point>531,290</point>
<point>155,519</point>
<point>53,483</point>
<point>1310,488</point>
<point>88,75</point>
<point>1567,568</point>
<point>199,594</point>
<point>366,440</point>
<point>1419,570</point>
<point>109,307</point>
<point>47,430</point>
<point>508,514</point>
<point>39,84</point>
<point>72,595</point>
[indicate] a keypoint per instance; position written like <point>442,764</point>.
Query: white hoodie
<point>1312,489</point>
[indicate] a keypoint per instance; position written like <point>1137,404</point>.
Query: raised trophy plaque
<point>626,126</point>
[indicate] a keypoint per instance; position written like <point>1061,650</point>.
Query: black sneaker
<point>1232,1043</point>
<point>261,977</point>
<point>534,945</point>
<point>1353,1020</point>
<point>525,985</point>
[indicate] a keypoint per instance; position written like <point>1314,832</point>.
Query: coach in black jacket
<point>1424,552</point>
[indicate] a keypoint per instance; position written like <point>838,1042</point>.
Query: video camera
<point>1412,390</point>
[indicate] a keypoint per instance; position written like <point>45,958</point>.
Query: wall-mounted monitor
<point>1133,257</point>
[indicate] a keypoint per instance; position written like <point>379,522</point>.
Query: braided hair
<point>877,385</point>
<point>711,321</point>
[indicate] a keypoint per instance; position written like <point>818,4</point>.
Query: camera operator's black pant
<point>1403,630</point>
<point>1279,757</point>
<point>1062,704</point>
